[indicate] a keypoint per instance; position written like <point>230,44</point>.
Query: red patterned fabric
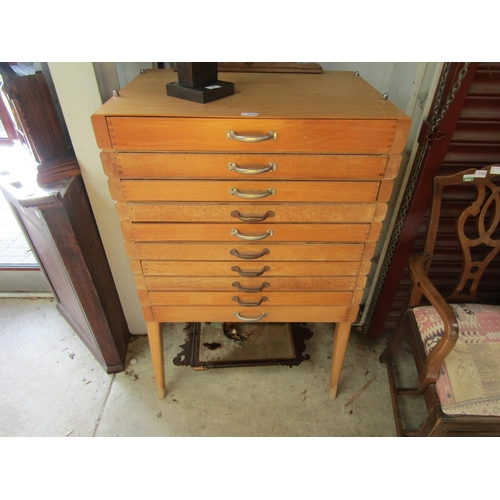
<point>469,382</point>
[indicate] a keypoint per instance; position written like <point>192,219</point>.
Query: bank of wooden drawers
<point>315,227</point>
<point>266,205</point>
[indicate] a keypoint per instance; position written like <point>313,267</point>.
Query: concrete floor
<point>52,386</point>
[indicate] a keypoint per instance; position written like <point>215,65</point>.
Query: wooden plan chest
<point>262,206</point>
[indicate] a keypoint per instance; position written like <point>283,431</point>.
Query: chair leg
<point>394,399</point>
<point>432,427</point>
<point>387,357</point>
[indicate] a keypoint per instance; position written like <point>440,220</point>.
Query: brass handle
<point>249,255</point>
<point>262,316</point>
<point>252,171</point>
<point>252,196</point>
<point>237,285</point>
<point>250,274</point>
<point>252,218</point>
<point>249,304</point>
<point>235,232</point>
<point>271,135</point>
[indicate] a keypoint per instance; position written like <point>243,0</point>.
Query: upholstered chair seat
<point>469,378</point>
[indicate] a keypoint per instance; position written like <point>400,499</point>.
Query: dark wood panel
<point>477,132</point>
<point>78,209</point>
<point>37,123</point>
<point>486,80</point>
<point>478,153</point>
<point>481,108</point>
<point>63,234</point>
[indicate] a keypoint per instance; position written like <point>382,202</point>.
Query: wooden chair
<point>455,341</point>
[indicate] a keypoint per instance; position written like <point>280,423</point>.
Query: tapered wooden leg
<point>341,336</point>
<point>156,347</point>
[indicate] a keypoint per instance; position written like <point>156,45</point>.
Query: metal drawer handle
<point>237,285</point>
<point>252,196</point>
<point>250,274</point>
<point>249,255</point>
<point>252,171</point>
<point>235,232</point>
<point>271,136</point>
<point>262,316</point>
<point>249,304</point>
<point>252,218</point>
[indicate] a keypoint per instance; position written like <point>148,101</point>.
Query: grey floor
<point>52,386</point>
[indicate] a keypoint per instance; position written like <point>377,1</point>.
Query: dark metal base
<point>212,92</point>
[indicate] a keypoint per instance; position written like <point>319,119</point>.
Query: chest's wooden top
<point>331,95</point>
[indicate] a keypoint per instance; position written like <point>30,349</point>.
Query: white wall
<point>107,79</point>
<point>115,75</point>
<point>128,71</point>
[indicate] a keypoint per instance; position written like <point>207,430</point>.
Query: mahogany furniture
<point>37,124</point>
<point>54,212</point>
<point>59,225</point>
<point>262,206</point>
<point>455,340</point>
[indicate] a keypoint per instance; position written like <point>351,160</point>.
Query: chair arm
<point>430,370</point>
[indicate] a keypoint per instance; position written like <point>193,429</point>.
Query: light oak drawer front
<point>285,314</point>
<point>249,251</point>
<point>241,166</point>
<point>249,301</point>
<point>225,212</point>
<point>249,191</point>
<point>245,269</point>
<point>348,233</point>
<point>299,136</point>
<point>250,285</point>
